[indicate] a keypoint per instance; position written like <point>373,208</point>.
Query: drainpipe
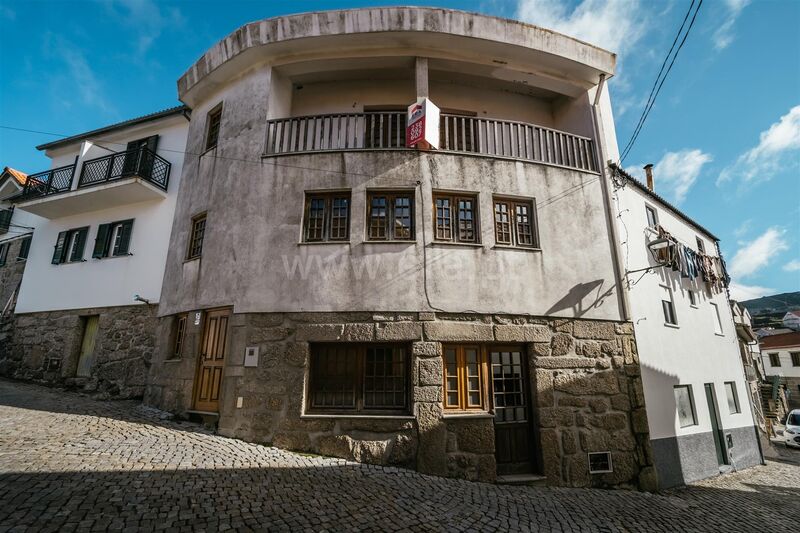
<point>616,253</point>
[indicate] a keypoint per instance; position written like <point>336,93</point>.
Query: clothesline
<point>692,264</point>
<point>654,232</point>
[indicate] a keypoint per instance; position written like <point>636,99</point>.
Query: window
<point>213,122</point>
<point>733,397</point>
<point>24,248</point>
<point>69,246</point>
<point>774,360</point>
<point>795,358</point>
<point>700,246</point>
<point>652,216</point>
<point>514,223</point>
<point>684,400</point>
<point>358,377</point>
<point>180,333</point>
<point>4,252</point>
<point>668,307</point>
<point>390,216</point>
<point>456,217</point>
<point>717,319</point>
<point>464,374</point>
<point>196,237</point>
<point>692,298</point>
<point>327,217</point>
<point>113,239</point>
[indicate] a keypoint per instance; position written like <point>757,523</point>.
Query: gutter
<point>616,253</point>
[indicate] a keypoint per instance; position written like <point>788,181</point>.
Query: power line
<point>652,101</point>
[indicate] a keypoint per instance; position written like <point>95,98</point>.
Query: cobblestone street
<point>70,463</point>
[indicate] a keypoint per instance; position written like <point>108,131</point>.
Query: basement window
<point>600,463</point>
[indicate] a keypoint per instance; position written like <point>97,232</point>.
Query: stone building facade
<point>583,376</point>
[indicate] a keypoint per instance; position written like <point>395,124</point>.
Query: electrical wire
<point>651,102</point>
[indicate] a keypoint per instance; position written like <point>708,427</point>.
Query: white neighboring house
<point>791,320</point>
<point>781,356</point>
<point>16,232</point>
<point>106,209</point>
<point>700,419</point>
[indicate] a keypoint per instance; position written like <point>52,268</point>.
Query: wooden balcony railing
<point>461,134</point>
<point>49,182</point>
<point>141,162</point>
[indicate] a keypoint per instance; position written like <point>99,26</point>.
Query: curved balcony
<point>458,134</point>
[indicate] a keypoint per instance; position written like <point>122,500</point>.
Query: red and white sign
<point>422,126</point>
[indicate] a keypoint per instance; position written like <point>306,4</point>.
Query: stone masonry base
<point>584,382</point>
<point>45,348</point>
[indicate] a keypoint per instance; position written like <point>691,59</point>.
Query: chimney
<point>648,169</point>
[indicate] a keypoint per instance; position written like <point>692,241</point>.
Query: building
<point>456,311</point>
<point>86,309</point>
<point>791,320</point>
<point>765,332</point>
<point>751,360</point>
<point>698,408</point>
<point>781,356</point>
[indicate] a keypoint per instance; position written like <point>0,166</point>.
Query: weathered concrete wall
<point>584,380</point>
<point>45,347</point>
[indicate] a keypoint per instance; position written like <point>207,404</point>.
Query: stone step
<point>531,480</point>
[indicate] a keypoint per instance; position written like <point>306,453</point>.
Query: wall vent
<point>600,463</point>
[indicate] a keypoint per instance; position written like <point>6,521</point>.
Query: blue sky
<point>724,134</point>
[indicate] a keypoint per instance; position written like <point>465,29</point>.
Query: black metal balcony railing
<point>141,162</point>
<point>462,134</point>
<point>49,182</point>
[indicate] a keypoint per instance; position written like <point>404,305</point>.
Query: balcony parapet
<point>458,134</point>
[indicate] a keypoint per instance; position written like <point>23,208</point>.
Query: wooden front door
<point>512,423</point>
<point>211,363</point>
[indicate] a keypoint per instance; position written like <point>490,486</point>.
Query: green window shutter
<point>80,244</point>
<point>124,238</point>
<point>60,248</point>
<point>24,248</point>
<point>101,242</point>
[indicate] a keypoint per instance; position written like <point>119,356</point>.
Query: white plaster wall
<point>691,353</point>
<point>22,222</point>
<point>786,369</point>
<point>110,281</point>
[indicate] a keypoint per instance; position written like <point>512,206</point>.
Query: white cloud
<point>743,228</point>
<point>615,25</point>
<point>724,34</point>
<point>741,292</point>
<point>762,161</point>
<point>78,74</point>
<point>756,254</point>
<point>148,18</point>
<point>675,173</point>
<point>792,266</point>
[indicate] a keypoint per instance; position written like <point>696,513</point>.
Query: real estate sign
<point>422,126</point>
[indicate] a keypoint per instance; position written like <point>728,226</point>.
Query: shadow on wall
<point>574,299</point>
<point>663,415</point>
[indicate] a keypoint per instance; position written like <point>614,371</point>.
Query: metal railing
<point>461,134</point>
<point>49,182</point>
<point>141,162</point>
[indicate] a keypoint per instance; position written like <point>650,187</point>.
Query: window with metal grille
<point>196,237</point>
<point>213,121</point>
<point>390,216</point>
<point>358,377</point>
<point>456,217</point>
<point>515,223</point>
<point>464,377</point>
<point>327,217</point>
<point>180,333</point>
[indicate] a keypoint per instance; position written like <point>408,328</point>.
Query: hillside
<point>773,305</point>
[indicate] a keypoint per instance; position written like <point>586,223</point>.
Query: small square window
<point>456,217</point>
<point>652,216</point>
<point>700,246</point>
<point>684,402</point>
<point>327,216</point>
<point>600,463</point>
<point>196,237</point>
<point>668,307</point>
<point>733,397</point>
<point>774,360</point>
<point>213,121</point>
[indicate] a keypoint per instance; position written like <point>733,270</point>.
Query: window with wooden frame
<point>774,360</point>
<point>180,334</point>
<point>456,217</point>
<point>390,216</point>
<point>464,377</point>
<point>515,223</point>
<point>795,358</point>
<point>358,378</point>
<point>213,121</point>
<point>113,240</point>
<point>70,245</point>
<point>196,237</point>
<point>327,216</point>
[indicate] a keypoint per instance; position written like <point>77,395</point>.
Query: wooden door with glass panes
<point>512,422</point>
